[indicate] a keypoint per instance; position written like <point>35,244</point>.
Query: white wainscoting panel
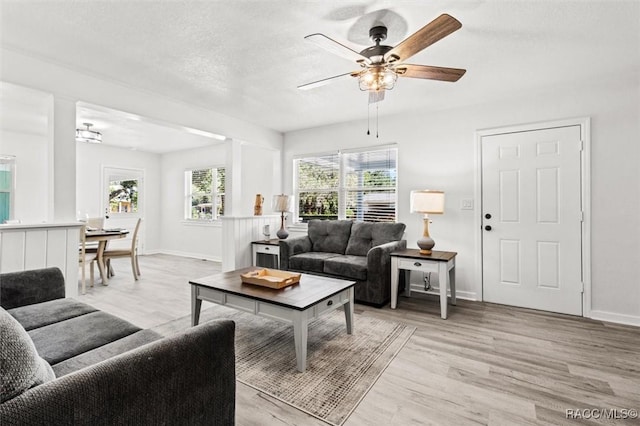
<point>35,246</point>
<point>237,235</point>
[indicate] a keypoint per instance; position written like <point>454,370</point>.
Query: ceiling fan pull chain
<point>377,127</point>
<point>368,118</point>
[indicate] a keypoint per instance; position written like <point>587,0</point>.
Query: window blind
<point>370,185</point>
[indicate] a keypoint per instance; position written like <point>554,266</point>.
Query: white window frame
<point>342,190</point>
<point>214,194</point>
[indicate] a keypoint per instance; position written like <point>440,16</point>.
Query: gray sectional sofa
<point>356,251</point>
<point>63,362</point>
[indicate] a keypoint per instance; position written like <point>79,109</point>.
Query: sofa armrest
<point>188,378</point>
<point>379,262</point>
<point>29,287</point>
<point>292,247</point>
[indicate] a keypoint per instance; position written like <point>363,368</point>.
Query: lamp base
<point>282,234</point>
<point>426,244</point>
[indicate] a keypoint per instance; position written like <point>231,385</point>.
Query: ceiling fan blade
<point>435,30</point>
<point>337,48</point>
<point>376,96</point>
<point>327,80</point>
<point>429,72</point>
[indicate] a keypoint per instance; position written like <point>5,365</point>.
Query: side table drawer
<point>418,265</point>
<point>267,249</point>
<point>332,303</point>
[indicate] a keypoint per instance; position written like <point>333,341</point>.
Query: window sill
<point>205,223</point>
<point>299,226</point>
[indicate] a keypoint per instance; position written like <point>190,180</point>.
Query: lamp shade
<point>282,203</point>
<point>427,201</point>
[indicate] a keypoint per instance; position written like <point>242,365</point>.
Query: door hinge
<point>581,216</point>
<point>581,145</point>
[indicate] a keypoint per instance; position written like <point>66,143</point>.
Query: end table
<point>271,247</point>
<point>442,262</point>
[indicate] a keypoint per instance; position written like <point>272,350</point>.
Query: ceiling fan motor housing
<point>378,34</point>
<point>376,53</point>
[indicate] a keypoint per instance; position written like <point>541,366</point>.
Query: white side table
<point>442,262</point>
<point>271,247</point>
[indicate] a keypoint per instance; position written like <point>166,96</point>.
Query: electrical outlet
<point>466,204</point>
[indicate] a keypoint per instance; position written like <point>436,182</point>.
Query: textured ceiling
<point>245,58</point>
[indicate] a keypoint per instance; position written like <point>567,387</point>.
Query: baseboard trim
<point>186,254</point>
<point>466,295</point>
<point>614,317</point>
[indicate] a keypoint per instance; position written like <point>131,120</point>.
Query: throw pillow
<point>21,367</point>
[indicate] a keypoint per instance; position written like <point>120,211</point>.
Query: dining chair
<point>132,253</point>
<point>95,222</point>
<point>83,252</point>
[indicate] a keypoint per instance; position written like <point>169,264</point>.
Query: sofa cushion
<point>329,236</point>
<point>312,261</point>
<point>365,235</point>
<point>105,352</point>
<point>63,340</point>
<point>29,287</point>
<point>41,314</point>
<point>354,267</point>
<point>21,367</point>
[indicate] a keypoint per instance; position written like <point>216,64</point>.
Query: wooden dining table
<point>102,237</point>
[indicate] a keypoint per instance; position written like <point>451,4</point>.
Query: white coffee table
<point>297,305</point>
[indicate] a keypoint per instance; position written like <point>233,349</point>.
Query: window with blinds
<point>357,185</point>
<point>317,179</point>
<point>370,185</point>
<point>204,193</point>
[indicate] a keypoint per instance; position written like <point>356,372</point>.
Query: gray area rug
<point>341,368</point>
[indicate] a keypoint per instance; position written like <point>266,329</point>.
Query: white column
<point>64,159</point>
<point>233,182</point>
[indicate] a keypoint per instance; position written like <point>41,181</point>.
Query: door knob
<point>487,228</point>
<point>487,216</point>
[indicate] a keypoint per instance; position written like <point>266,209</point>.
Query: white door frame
<point>585,167</point>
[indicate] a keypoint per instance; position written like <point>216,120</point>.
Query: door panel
<point>531,187</point>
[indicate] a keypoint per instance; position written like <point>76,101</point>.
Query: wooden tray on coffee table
<point>271,278</point>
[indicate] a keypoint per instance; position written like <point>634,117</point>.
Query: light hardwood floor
<point>486,364</point>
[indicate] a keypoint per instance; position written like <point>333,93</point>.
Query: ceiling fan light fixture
<point>88,135</point>
<point>378,78</point>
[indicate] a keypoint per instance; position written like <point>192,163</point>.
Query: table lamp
<point>427,202</point>
<point>282,203</point>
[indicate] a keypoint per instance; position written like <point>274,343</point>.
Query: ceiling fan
<point>381,65</point>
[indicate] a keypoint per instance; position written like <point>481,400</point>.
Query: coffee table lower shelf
<point>299,318</point>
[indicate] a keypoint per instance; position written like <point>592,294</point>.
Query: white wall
<point>261,173</point>
<point>179,236</point>
<point>24,128</point>
<point>91,159</point>
<point>32,174</point>
<point>436,150</point>
<point>69,86</point>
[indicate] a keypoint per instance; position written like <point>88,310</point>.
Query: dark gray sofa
<point>107,370</point>
<point>356,251</point>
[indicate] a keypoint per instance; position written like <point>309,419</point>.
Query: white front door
<point>531,219</point>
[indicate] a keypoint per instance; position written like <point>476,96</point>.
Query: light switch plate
<point>466,204</point>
